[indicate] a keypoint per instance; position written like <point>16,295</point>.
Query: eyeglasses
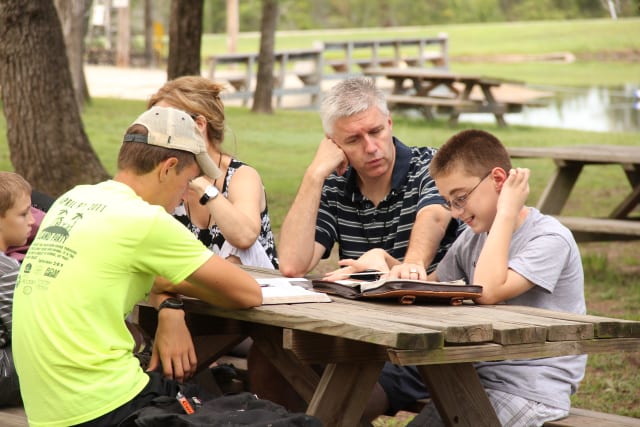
<point>460,201</point>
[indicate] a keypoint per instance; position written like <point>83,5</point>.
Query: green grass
<point>577,36</point>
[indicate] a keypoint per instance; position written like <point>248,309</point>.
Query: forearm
<point>427,233</point>
<point>297,234</point>
<point>236,213</point>
<point>223,284</point>
<point>238,227</point>
<point>492,268</point>
<point>493,263</point>
<point>217,282</point>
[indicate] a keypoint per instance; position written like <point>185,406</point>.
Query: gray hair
<point>349,97</point>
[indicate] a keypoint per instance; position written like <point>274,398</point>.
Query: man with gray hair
<point>373,195</point>
<point>365,190</point>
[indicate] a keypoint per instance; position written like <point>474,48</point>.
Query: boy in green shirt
<point>101,249</point>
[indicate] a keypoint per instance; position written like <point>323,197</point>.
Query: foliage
<point>301,15</point>
<point>470,44</point>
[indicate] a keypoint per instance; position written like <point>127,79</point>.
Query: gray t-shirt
<point>544,252</point>
<point>9,268</point>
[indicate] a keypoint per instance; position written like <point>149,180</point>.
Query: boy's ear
<point>166,166</point>
<point>498,176</point>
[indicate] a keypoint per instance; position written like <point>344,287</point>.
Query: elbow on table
<point>247,299</point>
<point>255,300</point>
<point>488,298</point>
<point>290,270</point>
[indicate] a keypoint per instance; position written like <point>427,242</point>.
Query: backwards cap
<point>174,129</point>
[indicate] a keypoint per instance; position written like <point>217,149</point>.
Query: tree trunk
<point>46,138</point>
<point>264,88</point>
<point>74,19</point>
<point>185,34</point>
<point>123,46</point>
<point>233,25</point>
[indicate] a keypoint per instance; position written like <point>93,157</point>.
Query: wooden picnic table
<point>431,88</point>
<point>354,339</point>
<point>620,224</point>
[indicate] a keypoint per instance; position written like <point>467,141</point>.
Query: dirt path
<point>127,83</point>
<point>140,83</point>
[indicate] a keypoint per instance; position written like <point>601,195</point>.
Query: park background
<point>606,51</point>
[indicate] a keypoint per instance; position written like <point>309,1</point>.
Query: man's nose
<point>369,144</point>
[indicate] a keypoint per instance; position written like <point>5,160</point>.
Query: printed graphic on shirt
<point>49,252</point>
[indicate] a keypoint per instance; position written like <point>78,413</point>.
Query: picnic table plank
<point>604,327</point>
<point>457,329</point>
<point>491,351</point>
<point>297,316</point>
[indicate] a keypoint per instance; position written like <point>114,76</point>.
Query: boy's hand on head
<point>514,192</point>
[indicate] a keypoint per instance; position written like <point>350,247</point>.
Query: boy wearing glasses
<point>521,257</point>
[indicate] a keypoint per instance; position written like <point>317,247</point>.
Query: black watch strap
<point>173,303</point>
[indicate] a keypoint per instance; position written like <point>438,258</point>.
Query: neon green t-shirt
<point>96,254</point>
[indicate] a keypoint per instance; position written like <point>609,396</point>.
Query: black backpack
<point>236,410</point>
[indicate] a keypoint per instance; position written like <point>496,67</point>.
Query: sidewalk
<point>140,83</point>
<point>106,81</point>
<point>127,83</point>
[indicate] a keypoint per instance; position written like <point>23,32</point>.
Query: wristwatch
<point>173,303</point>
<point>210,193</point>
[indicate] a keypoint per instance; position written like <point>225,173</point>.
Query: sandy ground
<point>126,83</point>
<point>141,83</point>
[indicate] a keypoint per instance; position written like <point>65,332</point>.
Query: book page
<point>289,290</point>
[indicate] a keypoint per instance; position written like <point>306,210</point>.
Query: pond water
<point>598,109</point>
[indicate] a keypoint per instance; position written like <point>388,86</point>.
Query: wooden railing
<point>354,56</point>
<point>301,72</point>
<point>239,69</point>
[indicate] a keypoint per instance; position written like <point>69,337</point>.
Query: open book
<point>284,290</point>
<point>406,291</point>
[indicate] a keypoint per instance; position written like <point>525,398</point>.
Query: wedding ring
<point>413,270</point>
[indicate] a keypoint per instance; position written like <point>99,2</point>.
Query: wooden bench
<point>445,105</point>
<point>13,416</point>
<point>577,418</point>
<point>585,418</point>
<point>601,229</point>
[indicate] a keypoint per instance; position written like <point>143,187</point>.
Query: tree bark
<point>262,99</point>
<point>123,45</point>
<point>74,19</point>
<point>149,57</point>
<point>233,25</point>
<point>47,141</point>
<point>185,35</point>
